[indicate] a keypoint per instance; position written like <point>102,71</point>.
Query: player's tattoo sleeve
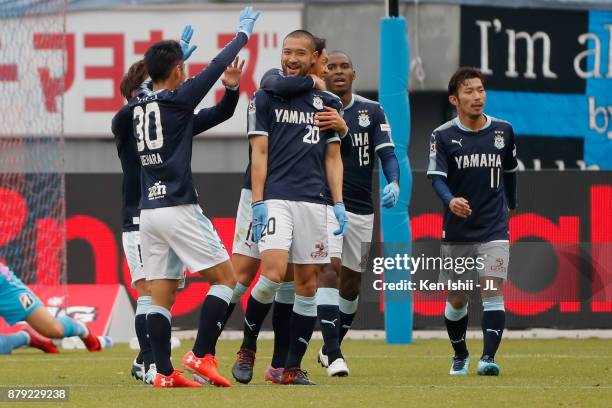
<point>193,90</point>
<point>210,117</point>
<point>278,84</point>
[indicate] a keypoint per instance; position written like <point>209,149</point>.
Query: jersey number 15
<point>143,133</point>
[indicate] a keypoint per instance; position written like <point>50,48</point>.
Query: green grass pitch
<point>535,373</point>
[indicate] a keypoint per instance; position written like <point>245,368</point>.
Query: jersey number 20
<point>143,116</point>
<point>312,137</point>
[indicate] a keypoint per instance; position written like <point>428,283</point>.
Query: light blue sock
<point>9,342</point>
<point>142,305</point>
<point>72,327</point>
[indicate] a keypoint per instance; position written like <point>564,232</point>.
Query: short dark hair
<point>161,58</point>
<point>303,34</point>
<point>342,53</point>
<point>132,80</point>
<point>460,76</point>
<point>320,44</point>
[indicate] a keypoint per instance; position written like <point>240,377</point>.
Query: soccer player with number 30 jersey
<point>174,231</point>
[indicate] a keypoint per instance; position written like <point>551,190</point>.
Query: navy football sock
<point>348,310</point>
<point>493,323</point>
<point>212,315</point>
<point>303,319</point>
<point>281,318</point>
<point>158,327</point>
<point>456,321</point>
<point>253,319</point>
<point>146,353</point>
<point>258,306</point>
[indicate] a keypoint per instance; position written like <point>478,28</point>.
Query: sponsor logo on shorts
<point>319,252</point>
<point>26,300</point>
<point>499,265</point>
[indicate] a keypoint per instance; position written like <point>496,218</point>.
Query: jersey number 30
<point>143,126</point>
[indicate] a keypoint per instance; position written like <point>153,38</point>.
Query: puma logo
<point>303,341</point>
<point>458,341</point>
<point>494,331</point>
<point>457,141</point>
<point>332,322</point>
<point>250,326</point>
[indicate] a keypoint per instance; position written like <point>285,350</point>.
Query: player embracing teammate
<point>292,160</point>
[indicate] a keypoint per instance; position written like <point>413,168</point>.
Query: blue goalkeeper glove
<point>340,213</point>
<point>185,39</point>
<point>260,219</point>
<point>390,195</point>
<point>247,20</point>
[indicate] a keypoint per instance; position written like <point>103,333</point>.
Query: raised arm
<point>276,83</point>
<point>211,117</point>
<point>194,90</point>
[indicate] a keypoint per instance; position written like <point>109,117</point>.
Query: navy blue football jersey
<point>163,126</point>
<point>130,165</point>
<point>122,128</point>
<point>296,147</point>
<point>369,132</point>
<point>274,81</point>
<point>473,163</point>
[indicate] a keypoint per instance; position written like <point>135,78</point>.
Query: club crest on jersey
<point>26,300</point>
<point>364,118</point>
<point>317,102</point>
<point>499,139</point>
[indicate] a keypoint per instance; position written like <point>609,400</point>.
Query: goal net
<point>32,207</point>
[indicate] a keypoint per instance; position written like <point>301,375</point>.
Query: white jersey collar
<point>460,125</point>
